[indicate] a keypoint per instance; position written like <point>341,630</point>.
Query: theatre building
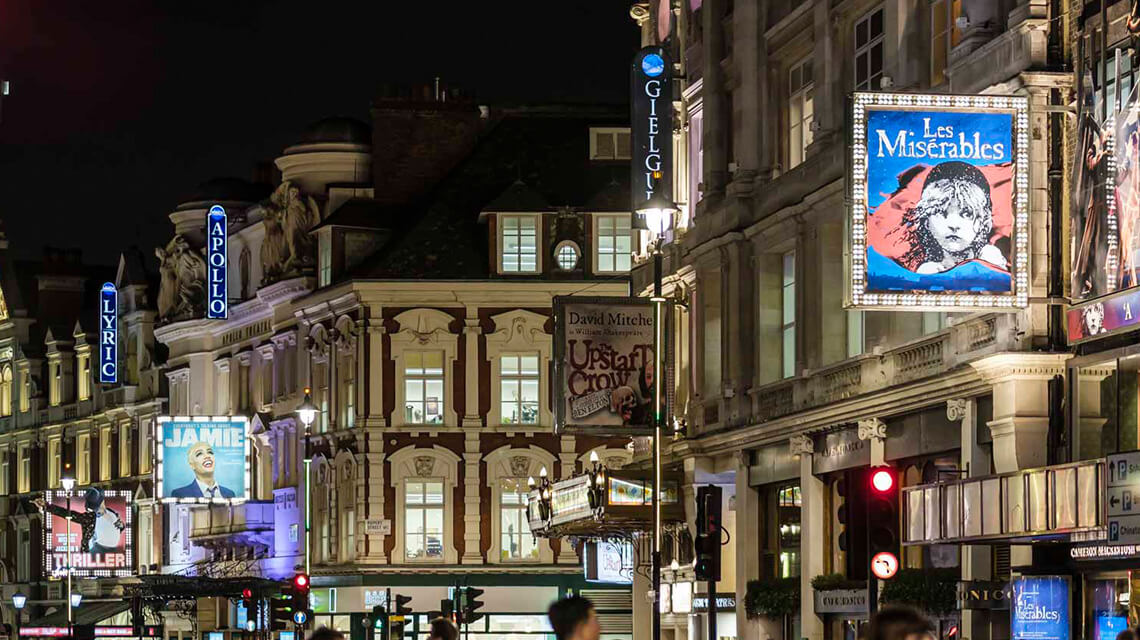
<point>799,379</point>
<point>405,273</point>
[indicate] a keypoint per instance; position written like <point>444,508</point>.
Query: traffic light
<point>883,522</point>
<point>402,608</point>
<point>281,609</point>
<point>471,605</point>
<point>249,604</point>
<point>300,592</point>
<point>447,609</point>
<point>852,488</point>
<point>707,567</point>
<point>379,622</point>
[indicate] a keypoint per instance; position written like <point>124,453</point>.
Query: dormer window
<point>566,255</point>
<point>613,243</point>
<point>609,143</point>
<point>519,243</point>
<point>324,257</point>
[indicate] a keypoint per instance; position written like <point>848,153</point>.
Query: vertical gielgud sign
<point>651,80</point>
<point>605,364</point>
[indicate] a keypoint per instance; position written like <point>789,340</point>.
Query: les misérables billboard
<point>939,202</point>
<point>202,459</point>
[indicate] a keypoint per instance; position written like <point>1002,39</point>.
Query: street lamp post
<point>18,602</point>
<point>656,216</point>
<point>307,412</point>
<point>68,485</point>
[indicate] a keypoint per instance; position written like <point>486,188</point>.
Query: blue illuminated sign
<point>108,334</point>
<point>653,65</point>
<point>1040,608</point>
<point>218,306</point>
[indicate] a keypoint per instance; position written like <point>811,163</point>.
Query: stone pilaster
<point>813,551</point>
<point>472,552</point>
<point>471,333</point>
<point>376,416</point>
<point>568,462</point>
<point>715,134</point>
<point>374,496</point>
<point>748,559</point>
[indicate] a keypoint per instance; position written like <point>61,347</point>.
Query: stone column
<point>976,559</point>
<point>374,494</point>
<point>376,416</point>
<point>568,462</point>
<point>472,553</point>
<point>747,40</point>
<point>715,134</point>
<point>1020,425</point>
<point>813,550</point>
<point>471,333</point>
<point>749,518</point>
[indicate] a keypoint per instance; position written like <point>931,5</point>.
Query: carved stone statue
<point>182,285</point>
<point>288,248</point>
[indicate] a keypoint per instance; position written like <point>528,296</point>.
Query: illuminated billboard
<point>100,533</point>
<point>202,459</point>
<point>939,202</point>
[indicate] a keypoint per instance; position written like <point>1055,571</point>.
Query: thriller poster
<point>99,535</point>
<point>604,364</point>
<point>939,220</point>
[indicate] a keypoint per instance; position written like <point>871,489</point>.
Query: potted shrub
<point>772,598</point>
<point>934,591</point>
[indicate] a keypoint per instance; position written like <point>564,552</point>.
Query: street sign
<point>1122,499</point>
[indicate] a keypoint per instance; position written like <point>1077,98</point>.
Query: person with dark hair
<point>573,618</point>
<point>102,528</point>
<point>1127,634</point>
<point>442,629</point>
<point>325,633</point>
<point>952,220</point>
<point>896,622</point>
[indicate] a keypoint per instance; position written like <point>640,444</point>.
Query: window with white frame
<point>423,519</point>
<point>610,143</point>
<point>84,366</point>
<point>788,310</point>
<point>124,450</point>
<point>55,383</point>
<point>517,543</point>
<point>944,36</point>
<point>519,235</point>
<point>613,243</point>
<point>146,448</point>
<point>696,157</point>
<point>801,110</point>
<point>25,390</point>
<point>5,468</point>
<point>519,388</point>
<point>869,51</point>
<point>566,255</point>
<point>83,459</point>
<point>55,462</point>
<point>24,471</point>
<point>105,453</point>
<point>423,387</point>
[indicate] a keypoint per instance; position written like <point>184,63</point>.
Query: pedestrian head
<point>1127,634</point>
<point>442,629</point>
<point>573,618</point>
<point>325,633</point>
<point>896,622</point>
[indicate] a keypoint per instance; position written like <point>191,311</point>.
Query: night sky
<point>120,108</point>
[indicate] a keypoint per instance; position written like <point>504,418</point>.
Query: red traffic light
<point>882,480</point>
<point>301,581</point>
<point>247,594</point>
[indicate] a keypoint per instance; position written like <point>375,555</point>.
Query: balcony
<point>252,521</point>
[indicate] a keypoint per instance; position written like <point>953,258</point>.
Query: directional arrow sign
<point>1120,501</point>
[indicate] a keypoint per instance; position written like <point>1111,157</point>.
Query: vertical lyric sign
<point>651,80</point>
<point>218,307</point>
<point>108,334</point>
<point>939,214</point>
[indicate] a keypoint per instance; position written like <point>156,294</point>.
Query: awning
<point>86,613</point>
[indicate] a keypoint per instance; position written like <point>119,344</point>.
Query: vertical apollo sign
<point>651,80</point>
<point>218,306</point>
<point>108,334</point>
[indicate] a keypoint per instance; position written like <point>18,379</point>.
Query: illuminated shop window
<point>423,519</point>
<point>519,388</point>
<point>423,387</point>
<point>517,543</point>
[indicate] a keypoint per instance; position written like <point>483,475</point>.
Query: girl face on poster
<point>953,219</point>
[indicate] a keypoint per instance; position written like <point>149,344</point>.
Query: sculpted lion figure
<point>182,285</point>
<point>288,248</point>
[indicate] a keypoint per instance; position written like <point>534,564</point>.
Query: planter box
<point>841,601</point>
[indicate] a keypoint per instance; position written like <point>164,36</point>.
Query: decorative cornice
<point>1003,367</point>
<point>801,444</point>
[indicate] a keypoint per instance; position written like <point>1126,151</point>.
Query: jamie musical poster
<point>939,200</point>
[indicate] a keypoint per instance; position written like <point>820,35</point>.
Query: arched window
<point>424,479</point>
<point>243,269</point>
<point>6,391</point>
